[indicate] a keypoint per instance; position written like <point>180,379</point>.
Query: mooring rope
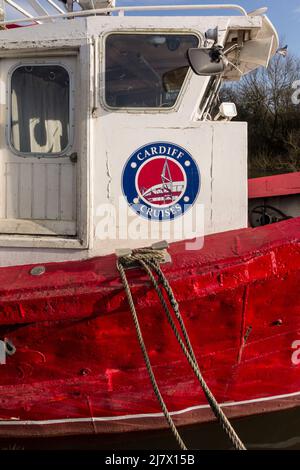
<point>146,358</point>
<point>148,260</point>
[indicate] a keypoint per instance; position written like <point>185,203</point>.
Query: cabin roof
<point>81,29</point>
<point>104,7</point>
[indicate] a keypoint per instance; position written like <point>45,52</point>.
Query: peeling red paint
<point>75,318</point>
<point>276,185</point>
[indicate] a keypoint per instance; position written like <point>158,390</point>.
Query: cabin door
<point>38,155</point>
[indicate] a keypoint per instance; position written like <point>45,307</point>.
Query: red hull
<point>78,367</point>
<point>271,186</point>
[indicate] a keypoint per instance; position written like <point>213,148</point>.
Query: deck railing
<point>105,11</point>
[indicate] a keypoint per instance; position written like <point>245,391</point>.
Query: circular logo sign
<point>161,181</point>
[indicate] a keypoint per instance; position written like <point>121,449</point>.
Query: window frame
<point>28,63</point>
<point>145,110</point>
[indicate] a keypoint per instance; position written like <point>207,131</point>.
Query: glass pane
<point>40,109</point>
<point>146,70</point>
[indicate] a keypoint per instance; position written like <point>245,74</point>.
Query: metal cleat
<point>161,245</point>
<point>123,252</point>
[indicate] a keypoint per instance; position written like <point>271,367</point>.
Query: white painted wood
<point>32,227</point>
<point>31,249</point>
<point>39,203</point>
<point>26,185</point>
<point>39,190</point>
<point>52,190</point>
<point>68,192</point>
<point>220,150</point>
<point>69,195</point>
<point>11,181</point>
<point>229,177</point>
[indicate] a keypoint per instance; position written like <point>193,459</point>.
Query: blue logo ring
<point>161,181</point>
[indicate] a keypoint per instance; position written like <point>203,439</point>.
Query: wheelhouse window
<point>40,109</point>
<point>146,70</point>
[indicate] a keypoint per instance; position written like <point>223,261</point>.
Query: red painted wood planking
<point>272,186</point>
<point>78,357</point>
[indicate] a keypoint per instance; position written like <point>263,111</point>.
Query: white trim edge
<point>17,422</point>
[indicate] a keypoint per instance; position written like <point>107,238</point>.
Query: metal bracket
<point>161,245</point>
<point>122,252</point>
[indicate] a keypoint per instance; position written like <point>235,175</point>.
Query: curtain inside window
<point>40,109</point>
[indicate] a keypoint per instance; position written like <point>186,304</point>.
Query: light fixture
<point>212,35</point>
<point>227,111</point>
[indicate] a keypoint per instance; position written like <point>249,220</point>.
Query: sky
<point>284,14</point>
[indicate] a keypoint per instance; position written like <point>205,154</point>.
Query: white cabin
<point>82,94</point>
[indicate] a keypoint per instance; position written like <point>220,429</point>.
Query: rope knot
<point>136,257</point>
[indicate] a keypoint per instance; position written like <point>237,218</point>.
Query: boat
<point>113,141</point>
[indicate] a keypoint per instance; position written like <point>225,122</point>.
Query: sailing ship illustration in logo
<point>161,181</point>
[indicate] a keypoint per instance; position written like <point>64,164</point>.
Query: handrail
<point>122,10</point>
<point>28,15</point>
